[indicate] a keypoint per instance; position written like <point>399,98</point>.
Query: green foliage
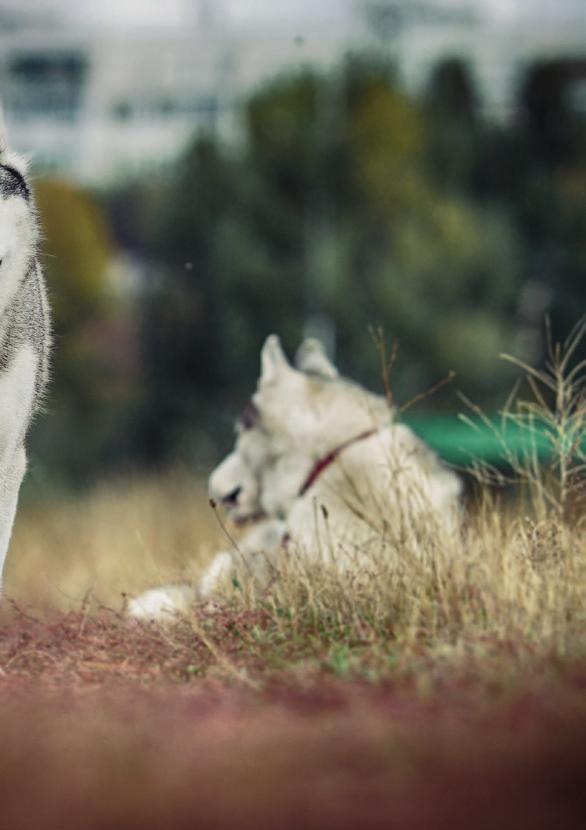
<point>86,389</point>
<point>347,201</point>
<point>77,251</point>
<point>330,210</point>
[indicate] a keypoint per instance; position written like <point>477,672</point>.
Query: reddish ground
<point>106,725</point>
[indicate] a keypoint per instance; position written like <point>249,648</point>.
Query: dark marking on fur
<point>13,183</point>
<point>250,417</point>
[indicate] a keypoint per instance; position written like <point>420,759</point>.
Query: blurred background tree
<point>550,201</point>
<point>76,256</point>
<point>332,211</point>
<point>348,204</point>
<point>90,332</point>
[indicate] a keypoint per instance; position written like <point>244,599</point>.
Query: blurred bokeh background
<point>210,171</point>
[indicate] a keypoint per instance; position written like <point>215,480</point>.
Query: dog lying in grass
<point>322,471</point>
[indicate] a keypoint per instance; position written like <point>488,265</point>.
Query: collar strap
<point>326,460</point>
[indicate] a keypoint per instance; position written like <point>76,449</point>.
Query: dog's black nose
<point>232,496</point>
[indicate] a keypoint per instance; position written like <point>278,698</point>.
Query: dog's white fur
<point>380,481</point>
<point>24,331</point>
<point>383,483</point>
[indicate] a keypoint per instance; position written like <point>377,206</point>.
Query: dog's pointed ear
<point>311,358</point>
<point>273,361</point>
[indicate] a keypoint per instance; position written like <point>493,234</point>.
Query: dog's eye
<point>250,417</point>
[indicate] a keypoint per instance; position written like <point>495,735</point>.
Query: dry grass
<point>124,536</point>
<point>510,576</point>
<point>507,596</point>
<point>515,573</point>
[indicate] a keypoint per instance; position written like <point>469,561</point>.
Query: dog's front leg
<point>259,550</point>
<point>220,568</point>
<point>10,481</point>
<point>17,390</point>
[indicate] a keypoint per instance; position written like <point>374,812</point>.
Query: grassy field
<point>123,537</point>
<point>445,694</point>
<point>419,691</point>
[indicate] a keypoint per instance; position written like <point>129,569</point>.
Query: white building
<point>100,102</point>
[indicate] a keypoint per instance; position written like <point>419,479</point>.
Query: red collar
<point>324,462</point>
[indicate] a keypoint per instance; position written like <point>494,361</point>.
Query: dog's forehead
<point>298,390</point>
<point>253,447</point>
<point>12,183</point>
<point>251,436</point>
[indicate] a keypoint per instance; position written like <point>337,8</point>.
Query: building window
<point>123,110</point>
<point>48,84</point>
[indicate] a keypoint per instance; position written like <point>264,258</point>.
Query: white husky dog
<point>323,468</point>
<point>328,458</point>
<point>24,331</point>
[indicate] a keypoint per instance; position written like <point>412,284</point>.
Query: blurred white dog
<point>24,331</point>
<point>325,456</point>
<point>323,469</point>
